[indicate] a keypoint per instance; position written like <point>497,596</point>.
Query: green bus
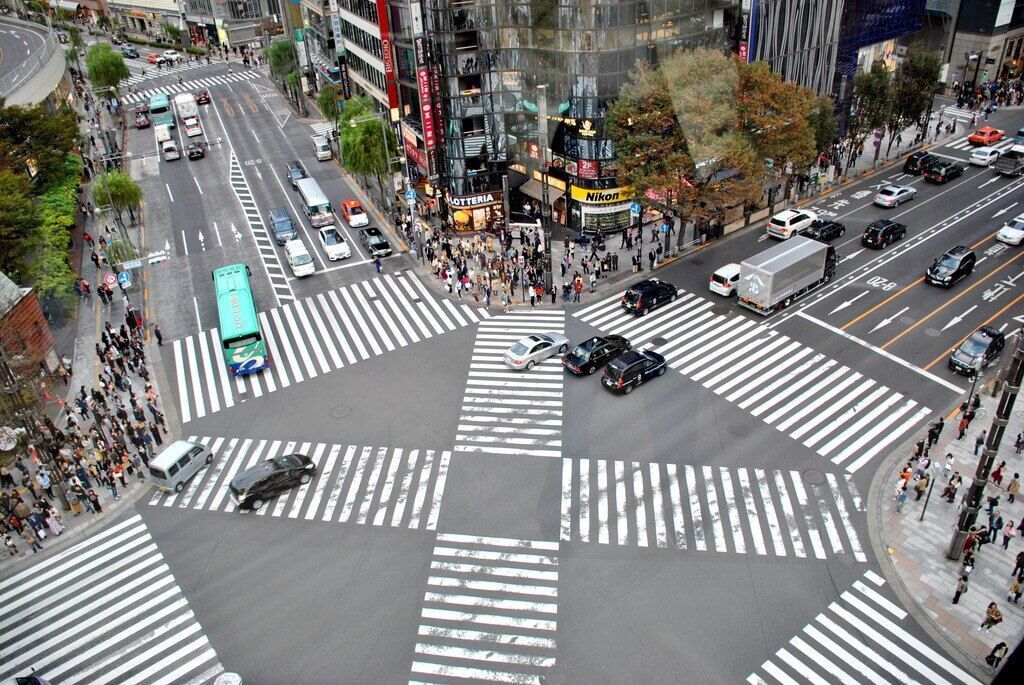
<point>244,347</point>
<point>160,110</point>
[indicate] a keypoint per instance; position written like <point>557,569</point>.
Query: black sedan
<point>883,233</point>
<point>632,369</point>
<point>296,172</point>
<point>824,231</point>
<point>195,151</point>
<point>943,171</point>
<point>251,488</point>
<point>594,353</point>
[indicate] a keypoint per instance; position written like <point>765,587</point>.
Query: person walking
<point>962,427</point>
<point>1013,488</point>
<point>901,497</point>
<point>979,442</point>
<point>1009,533</point>
<point>159,335</point>
<point>995,657</point>
<point>993,617</point>
<point>94,502</point>
<point>29,536</point>
<point>961,588</point>
<point>995,524</point>
<point>54,523</point>
<point>997,474</point>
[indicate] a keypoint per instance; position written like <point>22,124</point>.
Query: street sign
<point>134,264</point>
<point>110,279</point>
<point>410,195</point>
<point>635,210</point>
<point>124,278</point>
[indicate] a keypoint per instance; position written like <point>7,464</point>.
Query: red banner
<point>416,155</point>
<point>426,109</point>
<point>386,54</point>
<point>588,168</point>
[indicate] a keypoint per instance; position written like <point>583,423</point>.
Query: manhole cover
<point>908,320</point>
<point>932,332</point>
<point>342,411</point>
<point>739,430</point>
<point>844,559</point>
<point>658,341</point>
<point>980,413</point>
<point>814,477</point>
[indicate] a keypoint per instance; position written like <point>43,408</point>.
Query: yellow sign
<point>606,196</point>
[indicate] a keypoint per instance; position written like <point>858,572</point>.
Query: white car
<point>984,156</point>
<point>192,127</point>
<point>170,150</point>
<point>725,280</point>
<point>788,223</point>
<point>892,195</point>
<point>1012,232</point>
<point>172,55</point>
<point>334,245</point>
<point>533,349</point>
<point>299,258</point>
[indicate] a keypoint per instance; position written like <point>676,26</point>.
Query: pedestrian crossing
<point>826,406</point>
<point>105,610</point>
<point>322,128</point>
<point>189,86</point>
<point>960,113</point>
<point>490,611</point>
<point>862,636</point>
<point>379,486</point>
<point>767,512</point>
<point>149,71</point>
<point>314,336</point>
<point>506,411</point>
<point>963,144</point>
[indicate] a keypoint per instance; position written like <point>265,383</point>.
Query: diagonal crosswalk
<point>963,144</point>
<point>490,611</point>
<point>860,637</point>
<point>314,336</point>
<point>512,412</point>
<point>188,86</point>
<point>105,610</point>
<point>152,72</point>
<point>379,486</point>
<point>709,509</point>
<point>826,406</point>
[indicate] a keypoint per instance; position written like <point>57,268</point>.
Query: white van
<point>299,258</point>
<point>725,280</point>
<point>172,468</point>
<point>315,203</point>
<point>322,148</point>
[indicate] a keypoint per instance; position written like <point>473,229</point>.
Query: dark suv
<point>296,172</point>
<point>918,162</point>
<point>978,351</point>
<point>375,242</point>
<point>943,171</point>
<point>251,488</point>
<point>282,226</point>
<point>883,233</point>
<point>592,354</point>
<point>648,295</point>
<point>824,230</point>
<point>951,267</point>
<point>631,369</point>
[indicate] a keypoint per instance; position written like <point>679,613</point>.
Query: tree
<point>328,100</point>
<point>823,123</point>
<point>913,89</point>
<point>367,144</point>
<point>872,100</point>
<point>119,190</point>
<point>106,68</point>
<point>775,116</point>
<point>172,31</point>
<point>75,45</point>
<point>17,223</point>
<point>282,58</point>
<point>34,140</point>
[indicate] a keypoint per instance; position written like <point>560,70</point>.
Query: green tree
<point>172,31</point>
<point>775,116</point>
<point>17,223</point>
<point>35,140</point>
<point>872,101</point>
<point>75,45</point>
<point>913,89</point>
<point>823,123</point>
<point>282,57</point>
<point>118,190</point>
<point>329,102</point>
<point>367,144</point>
<point>105,67</point>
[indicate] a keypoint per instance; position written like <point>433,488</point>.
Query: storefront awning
<point>535,189</point>
<point>66,5</point>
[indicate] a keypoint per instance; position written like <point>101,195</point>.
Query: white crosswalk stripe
<point>188,86</point>
<point>379,486</point>
<point>322,128</point>
<point>857,639</point>
<point>490,611</point>
<point>825,405</point>
<point>105,610</point>
<point>963,144</point>
<point>506,411</point>
<point>705,508</point>
<point>152,72</point>
<point>961,113</point>
<point>314,336</point>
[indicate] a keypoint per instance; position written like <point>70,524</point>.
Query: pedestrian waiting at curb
<point>901,497</point>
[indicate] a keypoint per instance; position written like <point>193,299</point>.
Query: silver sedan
<point>534,349</point>
<point>893,195</point>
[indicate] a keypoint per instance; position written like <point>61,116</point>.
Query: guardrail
<point>34,63</point>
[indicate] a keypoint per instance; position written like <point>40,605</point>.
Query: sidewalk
<point>916,549</point>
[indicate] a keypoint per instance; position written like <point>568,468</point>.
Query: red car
<point>141,121</point>
<point>154,58</point>
<point>986,135</point>
<point>202,97</point>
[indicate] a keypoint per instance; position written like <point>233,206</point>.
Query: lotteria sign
<point>605,196</point>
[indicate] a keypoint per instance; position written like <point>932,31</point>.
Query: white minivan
<point>724,280</point>
<point>172,468</point>
<point>322,148</point>
<point>299,258</point>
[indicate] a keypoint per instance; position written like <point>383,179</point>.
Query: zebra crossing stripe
<point>143,95</point>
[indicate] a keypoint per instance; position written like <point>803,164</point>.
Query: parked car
<point>892,195</point>
<point>296,172</point>
<point>632,369</point>
<point>1012,232</point>
<point>129,51</point>
<point>918,162</point>
<point>648,295</point>
<point>202,97</point>
<point>334,244</point>
<point>824,230</point>
<point>355,215</point>
<point>533,349</point>
<point>984,156</point>
<point>592,354</point>
<point>978,352</point>
<point>883,233</point>
<point>725,279</point>
<point>954,265</point>
<point>943,170</point>
<point>788,223</point>
<point>195,151</point>
<point>282,226</point>
<point>375,242</point>
<point>986,135</point>
<point>254,486</point>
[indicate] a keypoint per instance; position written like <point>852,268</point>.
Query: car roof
<point>984,149</point>
<point>371,230</point>
<point>352,203</point>
<point>295,164</point>
<point>728,269</point>
<point>626,359</point>
<point>881,223</point>
<point>296,245</point>
<point>330,229</point>
<point>787,214</point>
<point>649,284</point>
<point>279,212</point>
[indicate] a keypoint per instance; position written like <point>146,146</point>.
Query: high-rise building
<point>230,23</point>
<point>989,41</point>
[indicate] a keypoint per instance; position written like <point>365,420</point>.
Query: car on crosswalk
<point>648,295</point>
<point>892,195</point>
<point>984,156</point>
<point>1012,232</point>
<point>255,486</point>
<point>593,353</point>
<point>632,369</point>
<point>334,244</point>
<point>154,58</point>
<point>172,55</point>
<point>129,52</point>
<point>986,135</point>
<point>527,352</point>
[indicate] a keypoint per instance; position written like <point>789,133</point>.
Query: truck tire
<point>788,301</point>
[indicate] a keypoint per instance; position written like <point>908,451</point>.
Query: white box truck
<point>185,106</point>
<point>773,279</point>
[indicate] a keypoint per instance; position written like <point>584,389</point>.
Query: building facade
<point>26,342</point>
<point>989,41</point>
<point>144,17</point>
<point>234,23</point>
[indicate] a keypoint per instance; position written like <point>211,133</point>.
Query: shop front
<point>478,212</point>
<point>606,210</point>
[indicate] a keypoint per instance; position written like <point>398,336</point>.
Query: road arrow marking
<point>957,319</point>
<point>846,304</point>
<point>257,170</point>
<point>202,240</point>
<point>885,322</point>
<point>1004,210</point>
<point>991,180</point>
<point>763,238</point>
<point>850,256</point>
<point>238,236</point>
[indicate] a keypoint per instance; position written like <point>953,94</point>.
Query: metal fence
<point>34,63</point>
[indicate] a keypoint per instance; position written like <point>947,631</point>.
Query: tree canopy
<point>117,189</point>
<point>282,58</point>
<point>105,67</point>
<point>17,223</point>
<point>35,140</point>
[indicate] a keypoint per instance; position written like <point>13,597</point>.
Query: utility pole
<point>1014,372</point>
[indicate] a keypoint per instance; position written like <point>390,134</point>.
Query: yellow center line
<point>983,323</point>
<point>981,281</point>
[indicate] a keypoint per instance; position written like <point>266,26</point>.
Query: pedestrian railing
<point>33,64</point>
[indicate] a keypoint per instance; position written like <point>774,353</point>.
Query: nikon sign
<point>606,196</point>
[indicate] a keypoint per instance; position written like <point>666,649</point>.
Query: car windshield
<point>331,238</point>
<point>887,191</point>
<point>355,211</point>
<point>946,262</point>
<point>1017,224</point>
<point>288,461</point>
<point>632,296</point>
<point>974,346</point>
<point>519,349</point>
<point>303,258</point>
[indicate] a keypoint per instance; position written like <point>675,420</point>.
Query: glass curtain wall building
<point>490,57</point>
